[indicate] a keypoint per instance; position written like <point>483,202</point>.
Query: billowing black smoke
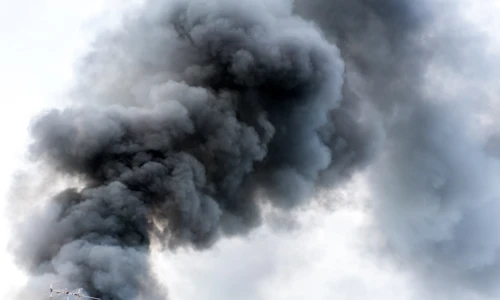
<point>230,116</point>
<point>196,113</point>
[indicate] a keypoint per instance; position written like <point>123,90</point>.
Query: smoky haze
<point>433,184</point>
<point>195,114</point>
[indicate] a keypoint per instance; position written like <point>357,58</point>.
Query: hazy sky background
<point>331,256</point>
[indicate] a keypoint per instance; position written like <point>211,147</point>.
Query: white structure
<point>78,294</point>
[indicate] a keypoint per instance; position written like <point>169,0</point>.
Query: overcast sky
<point>331,255</point>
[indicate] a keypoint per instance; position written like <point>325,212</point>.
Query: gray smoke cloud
<point>433,183</point>
<point>194,114</point>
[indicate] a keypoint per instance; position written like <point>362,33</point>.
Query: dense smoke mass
<point>196,113</point>
<point>233,98</point>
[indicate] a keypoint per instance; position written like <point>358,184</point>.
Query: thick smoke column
<point>195,113</point>
<point>232,98</point>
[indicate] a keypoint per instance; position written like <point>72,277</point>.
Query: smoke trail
<point>195,113</point>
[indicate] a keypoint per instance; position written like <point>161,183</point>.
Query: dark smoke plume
<point>196,113</point>
<point>233,98</point>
